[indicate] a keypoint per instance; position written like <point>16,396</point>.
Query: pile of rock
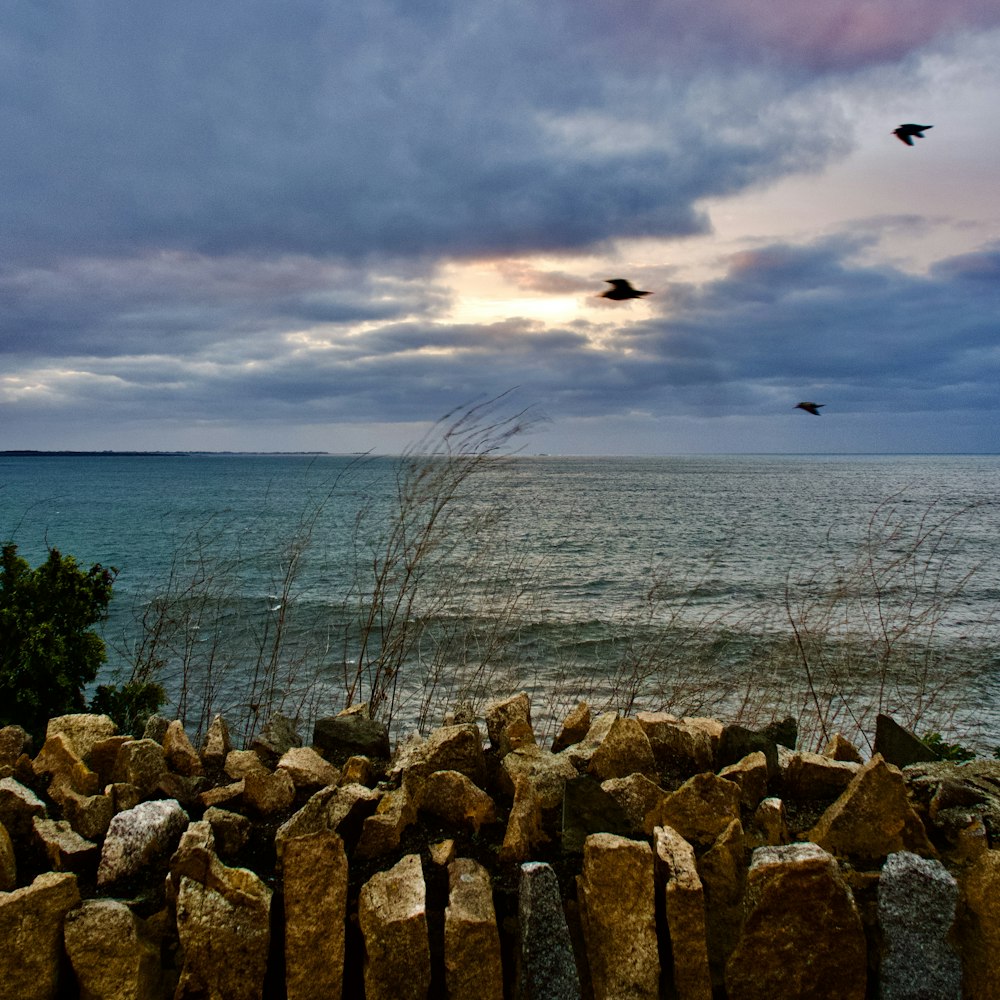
<point>635,857</point>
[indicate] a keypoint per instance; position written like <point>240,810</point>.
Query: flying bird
<point>812,408</point>
<point>906,132</point>
<point>621,289</point>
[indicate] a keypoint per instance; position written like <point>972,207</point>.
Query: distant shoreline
<point>32,453</point>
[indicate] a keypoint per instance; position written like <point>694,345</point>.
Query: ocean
<point>747,587</point>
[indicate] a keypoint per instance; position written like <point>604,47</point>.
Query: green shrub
<point>129,705</point>
<point>953,752</point>
<point>48,649</point>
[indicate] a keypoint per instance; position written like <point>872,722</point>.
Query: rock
<point>185,788</point>
<point>806,775</point>
<point>393,919</point>
<point>802,936</point>
<point>8,862</point>
<point>525,831</point>
<point>357,770</point>
<point>141,763</point>
<point>587,809</point>
<point>140,837</point>
<point>784,732</point>
<point>685,914</point>
<point>471,939</point>
<point>452,797</point>
<point>537,778</point>
<point>156,728</point>
<point>345,736</point>
<point>217,744</point>
<point>449,748</point>
<point>230,830</point>
<point>617,911</point>
<point>112,954</point>
<point>502,714</point>
<point>624,750</point>
<point>750,776</point>
<point>266,793</point>
<point>14,741</point>
<point>978,929</point>
<point>276,738</point>
<point>307,768</point>
<point>514,736</point>
<point>722,869</point>
<point>579,753</point>
<point>840,748</point>
<point>339,810</point>
<point>64,767</point>
<point>223,795</point>
<point>18,807</point>
<point>66,850</point>
<point>548,970</point>
<point>769,827</point>
<point>123,796</point>
<point>678,745</point>
<point>443,852</point>
<point>31,929</point>
<point>240,763</point>
<point>916,910</point>
<point>702,808</point>
<point>315,881</point>
<point>873,817</point>
<point>81,731</point>
<point>573,729</point>
<point>463,711</point>
<point>179,752</point>
<point>955,797</point>
<point>382,831</point>
<point>737,742</point>
<point>641,800</point>
<point>547,772</point>
<point>104,757</point>
<point>224,929</point>
<point>89,815</point>
<point>898,746</point>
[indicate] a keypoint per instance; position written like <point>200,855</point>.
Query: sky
<point>313,225</point>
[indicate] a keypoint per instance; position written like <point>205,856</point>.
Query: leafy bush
<point>48,649</point>
<point>954,752</point>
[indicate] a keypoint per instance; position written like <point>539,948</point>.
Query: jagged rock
<point>66,850</point>
<point>617,911</point>
<point>898,746</point>
<point>230,830</point>
<point>685,913</point>
<point>357,770</point>
<point>547,772</point>
<point>179,752</point>
<point>471,939</point>
<point>81,731</point>
<point>525,830</point>
<point>737,742</point>
<point>276,738</point>
<point>104,757</point>
<point>514,736</point>
<point>195,856</point>
<point>449,748</point>
<point>240,763</point>
<point>393,919</point>
<point>141,763</point>
<point>784,732</point>
<point>185,788</point>
<point>548,970</point>
<point>382,831</point>
<point>770,826</point>
<point>678,745</point>
<point>123,796</point>
<point>573,729</point>
<point>224,928</point>
<point>89,815</point>
<point>802,936</point>
<point>223,795</point>
<point>452,797</point>
<point>112,954</point>
<point>873,817</point>
<point>315,881</point>
<point>978,928</point>
<point>806,775</point>
<point>750,776</point>
<point>702,808</point>
<point>641,800</point>
<point>8,861</point>
<point>64,767</point>
<point>722,869</point>
<point>503,713</point>
<point>579,753</point>
<point>333,809</point>
<point>587,808</point>
<point>624,750</point>
<point>31,929</point>
<point>443,852</point>
<point>14,741</point>
<point>156,728</point>
<point>18,807</point>
<point>841,748</point>
<point>955,797</point>
<point>537,778</point>
<point>307,768</point>
<point>916,910</point>
<point>464,711</point>
<point>139,837</point>
<point>266,793</point>
<point>346,736</point>
<point>217,744</point>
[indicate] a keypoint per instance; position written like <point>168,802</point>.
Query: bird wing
<point>903,137</point>
<point>620,283</point>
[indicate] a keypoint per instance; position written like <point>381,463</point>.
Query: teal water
<point>722,539</point>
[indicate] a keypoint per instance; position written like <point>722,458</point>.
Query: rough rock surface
<point>979,927</point>
<point>344,736</point>
<point>548,970</point>
<point>453,798</point>
<point>503,713</point>
<point>307,768</point>
<point>82,731</point>
<point>701,808</point>
<point>722,869</point>
<point>8,862</point>
<point>217,743</point>
<point>624,750</point>
<point>574,727</point>
<point>750,775</point>
<point>677,744</point>
<point>641,801</point>
<point>179,752</point>
<point>471,938</point>
<point>449,748</point>
<point>139,836</point>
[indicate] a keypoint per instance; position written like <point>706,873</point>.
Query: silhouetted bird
<point>622,290</point>
<point>905,133</point>
<point>812,408</point>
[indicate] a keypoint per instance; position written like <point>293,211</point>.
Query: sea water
<point>604,546</point>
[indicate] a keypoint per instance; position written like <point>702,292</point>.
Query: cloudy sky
<point>308,224</point>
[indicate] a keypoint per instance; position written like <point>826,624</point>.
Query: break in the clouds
<point>230,224</point>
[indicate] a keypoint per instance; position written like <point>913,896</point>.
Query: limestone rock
<point>65,768</point>
<point>750,775</point>
<point>89,815</point>
<point>471,938</point>
<point>141,763</point>
<point>617,910</point>
<point>678,745</point>
<point>393,919</point>
<point>502,714</point>
<point>112,954</point>
<point>346,736</point>
<point>702,808</point>
<point>916,909</point>
<point>340,810</point>
<point>139,837</point>
<point>382,831</point>
<point>588,808</point>
<point>579,753</point>
<point>31,929</point>
<point>547,772</point>
<point>217,744</point>
<point>898,746</point>
<point>230,830</point>
<point>452,797</point>
<point>802,936</point>
<point>240,763</point>
<point>736,742</point>
<point>525,824</point>
<point>515,735</point>
<point>443,852</point>
<point>840,748</point>
<point>185,788</point>
<point>315,880</point>
<point>806,775</point>
<point>8,862</point>
<point>81,731</point>
<point>624,750</point>
<point>66,850</point>
<point>266,793</point>
<point>548,970</point>
<point>104,757</point>
<point>18,807</point>
<point>873,817</point>
<point>448,748</point>
<point>14,741</point>
<point>156,728</point>
<point>770,826</point>
<point>179,752</point>
<point>573,729</point>
<point>276,738</point>
<point>954,797</point>
<point>685,913</point>
<point>722,869</point>
<point>641,800</point>
<point>357,770</point>
<point>223,795</point>
<point>978,930</point>
<point>307,768</point>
